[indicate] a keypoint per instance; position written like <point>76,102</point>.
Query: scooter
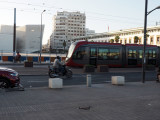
<point>54,72</point>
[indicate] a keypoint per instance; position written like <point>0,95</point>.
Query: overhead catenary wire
<point>58,8</point>
<point>91,16</point>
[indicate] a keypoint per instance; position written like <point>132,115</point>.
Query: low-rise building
<point>127,36</point>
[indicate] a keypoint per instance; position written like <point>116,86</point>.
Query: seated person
<point>57,64</point>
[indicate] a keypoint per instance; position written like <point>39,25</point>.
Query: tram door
<point>151,57</point>
<point>93,56</point>
<point>132,57</point>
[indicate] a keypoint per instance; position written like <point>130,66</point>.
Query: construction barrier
<point>30,58</point>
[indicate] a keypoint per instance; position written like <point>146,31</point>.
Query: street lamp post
<point>41,37</point>
<point>14,36</point>
<point>144,48</point>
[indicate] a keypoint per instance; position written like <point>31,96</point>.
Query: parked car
<point>8,78</point>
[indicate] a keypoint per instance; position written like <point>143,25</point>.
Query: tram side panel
<point>134,55</point>
<point>110,55</point>
<point>124,57</point>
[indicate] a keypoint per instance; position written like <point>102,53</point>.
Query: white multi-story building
<point>67,25</point>
<point>127,36</point>
<point>89,32</point>
<point>27,38</point>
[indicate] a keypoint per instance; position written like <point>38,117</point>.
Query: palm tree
<point>111,41</point>
<point>136,39</point>
<point>117,39</point>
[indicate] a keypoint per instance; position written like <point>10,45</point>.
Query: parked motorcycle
<point>54,72</point>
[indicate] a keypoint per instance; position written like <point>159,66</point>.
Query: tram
<point>112,54</point>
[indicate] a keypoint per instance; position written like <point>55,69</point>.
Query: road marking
<point>37,81</point>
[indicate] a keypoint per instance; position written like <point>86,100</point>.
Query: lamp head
<point>158,7</point>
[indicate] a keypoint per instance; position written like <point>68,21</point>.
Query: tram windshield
<point>71,49</point>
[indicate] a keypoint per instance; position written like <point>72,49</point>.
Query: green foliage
<point>111,41</point>
<point>117,39</point>
<point>136,39</point>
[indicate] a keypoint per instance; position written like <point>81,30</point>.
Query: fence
<point>34,57</point>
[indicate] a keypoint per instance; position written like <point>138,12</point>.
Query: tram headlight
<point>67,59</point>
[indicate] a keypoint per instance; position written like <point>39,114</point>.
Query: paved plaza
<point>133,101</point>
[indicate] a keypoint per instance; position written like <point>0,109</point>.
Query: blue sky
<point>117,14</point>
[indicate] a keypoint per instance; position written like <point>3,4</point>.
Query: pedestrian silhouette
<point>18,57</point>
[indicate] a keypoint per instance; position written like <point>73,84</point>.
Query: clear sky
<point>117,14</point>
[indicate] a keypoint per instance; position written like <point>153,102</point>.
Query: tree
<point>117,39</point>
<point>147,35</point>
<point>64,44</point>
<point>136,39</point>
<point>111,41</point>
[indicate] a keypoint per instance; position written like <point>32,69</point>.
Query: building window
<point>139,40</point>
<point>125,41</point>
<point>151,41</point>
<point>158,40</point>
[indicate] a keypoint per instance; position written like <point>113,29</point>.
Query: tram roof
<point>82,42</point>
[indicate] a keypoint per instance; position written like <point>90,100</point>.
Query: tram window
<point>150,54</point>
<point>114,54</point>
<point>93,52</point>
<point>132,54</point>
<point>129,53</point>
<point>154,54</point>
<point>79,53</point>
<point>140,54</point>
<point>103,54</point>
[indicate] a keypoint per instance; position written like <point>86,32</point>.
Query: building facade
<point>66,26</point>
<point>28,38</point>
<point>127,36</point>
<point>6,38</point>
<point>89,32</point>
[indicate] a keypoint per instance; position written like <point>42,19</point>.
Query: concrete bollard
<point>118,80</point>
<point>55,83</point>
<point>89,80</point>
